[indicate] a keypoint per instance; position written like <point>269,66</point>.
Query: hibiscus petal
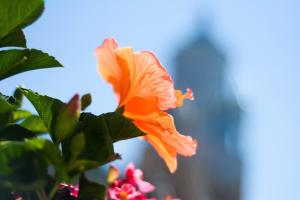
<point>160,128</point>
<point>184,145</point>
<point>135,74</point>
<point>112,69</point>
<point>150,78</point>
<point>138,106</point>
<point>163,126</point>
<point>164,151</point>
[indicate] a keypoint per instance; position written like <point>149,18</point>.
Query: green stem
<point>44,194</point>
<point>53,190</point>
<point>40,196</point>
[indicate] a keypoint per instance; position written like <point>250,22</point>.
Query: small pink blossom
<point>132,187</point>
<point>17,196</point>
<point>125,192</point>
<point>66,190</point>
<point>135,176</point>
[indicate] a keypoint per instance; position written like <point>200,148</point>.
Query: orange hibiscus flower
<point>145,89</point>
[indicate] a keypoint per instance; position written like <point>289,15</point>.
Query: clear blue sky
<point>261,39</point>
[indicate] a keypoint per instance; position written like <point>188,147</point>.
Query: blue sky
<point>260,38</point>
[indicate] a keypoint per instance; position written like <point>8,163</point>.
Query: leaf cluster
<point>31,163</point>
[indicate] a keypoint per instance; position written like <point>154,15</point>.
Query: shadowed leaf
<point>47,107</point>
<point>6,110</point>
<point>52,154</point>
<point>15,39</point>
<point>120,127</point>
<point>22,167</point>
<point>17,14</point>
<point>16,61</point>
<point>98,147</point>
<point>18,97</point>
<point>59,118</point>
<point>15,132</point>
<point>90,190</point>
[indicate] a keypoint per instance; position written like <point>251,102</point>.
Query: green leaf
<point>17,14</point>
<point>15,132</point>
<point>22,166</point>
<point>20,114</point>
<point>35,124</point>
<point>67,119</point>
<point>120,127</point>
<point>5,106</point>
<point>99,133</point>
<point>18,97</point>
<point>98,147</point>
<point>86,100</point>
<point>16,61</point>
<point>48,109</point>
<point>59,118</point>
<point>90,190</point>
<point>15,39</point>
<point>11,100</point>
<point>52,154</point>
<point>5,112</point>
<point>99,144</point>
<point>76,146</point>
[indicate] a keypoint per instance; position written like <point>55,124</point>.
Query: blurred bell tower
<point>213,118</point>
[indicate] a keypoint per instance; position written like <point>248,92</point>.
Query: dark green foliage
<point>52,154</point>
<point>91,144</point>
<point>18,97</point>
<point>97,148</point>
<point>15,61</point>
<point>14,16</point>
<point>90,190</point>
<point>15,132</point>
<point>79,141</point>
<point>5,112</point>
<point>54,113</point>
<point>120,127</point>
<point>17,14</point>
<point>22,167</point>
<point>15,38</point>
<point>48,109</point>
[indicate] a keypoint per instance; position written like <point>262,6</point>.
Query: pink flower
<point>125,191</point>
<point>67,191</point>
<point>135,176</point>
<point>132,187</point>
<point>16,196</point>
